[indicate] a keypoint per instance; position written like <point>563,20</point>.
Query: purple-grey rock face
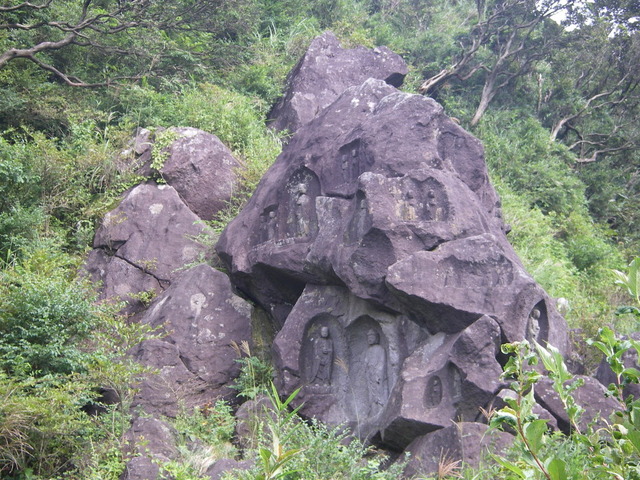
<point>376,243</point>
<point>197,164</point>
<point>200,318</point>
<point>324,72</point>
<point>143,244</point>
<point>202,170</point>
<point>150,442</point>
<point>463,442</point>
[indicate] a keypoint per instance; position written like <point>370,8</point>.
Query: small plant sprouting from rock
<point>160,151</point>
<point>255,374</point>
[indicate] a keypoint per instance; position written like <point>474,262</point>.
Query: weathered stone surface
<point>200,317</point>
<point>448,377</point>
<point>591,396</point>
<point>345,353</point>
<point>325,71</point>
<point>472,276</point>
<point>376,243</point>
<point>143,243</point>
<point>202,170</point>
<point>463,442</point>
<point>151,442</point>
<point>378,175</point>
<point>197,164</point>
<point>219,468</point>
<point>142,468</point>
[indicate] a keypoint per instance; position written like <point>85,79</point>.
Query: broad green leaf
<point>557,469</point>
<point>634,437</point>
<point>534,433</point>
<point>505,415</point>
<point>510,466</point>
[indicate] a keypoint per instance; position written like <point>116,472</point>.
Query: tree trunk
<point>488,92</point>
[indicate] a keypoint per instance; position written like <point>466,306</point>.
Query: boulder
<point>324,72</point>
<point>225,465</point>
<point>151,442</point>
<point>446,378</point>
<point>143,243</point>
<point>199,318</point>
<point>196,163</point>
<point>472,276</point>
<point>591,396</point>
<point>376,176</point>
<point>376,244</point>
<point>466,442</point>
<point>202,169</point>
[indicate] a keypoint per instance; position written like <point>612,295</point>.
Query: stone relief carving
<point>301,208</point>
<point>268,224</point>
<point>433,392</point>
<point>349,156</point>
<point>323,347</point>
<point>422,201</point>
<point>322,358</point>
<point>368,367</point>
<point>376,373</point>
<point>302,189</point>
<point>360,222</point>
<point>537,324</point>
<point>456,379</point>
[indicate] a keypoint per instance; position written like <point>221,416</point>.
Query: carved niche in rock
<point>392,296</point>
<point>446,378</point>
<point>349,356</point>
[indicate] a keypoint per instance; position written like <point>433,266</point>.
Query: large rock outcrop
<point>153,245</point>
<point>324,72</point>
<point>376,243</point>
<point>144,243</point>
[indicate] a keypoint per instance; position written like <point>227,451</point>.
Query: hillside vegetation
<point>555,104</point>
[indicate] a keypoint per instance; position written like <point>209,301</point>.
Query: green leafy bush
<point>204,436</point>
<point>294,449</point>
<point>58,349</point>
<point>585,452</point>
<point>45,315</point>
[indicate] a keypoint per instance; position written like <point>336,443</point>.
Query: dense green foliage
<point>556,108</point>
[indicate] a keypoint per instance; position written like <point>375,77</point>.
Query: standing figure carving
<point>433,394</point>
<point>376,372</point>
<point>271,225</point>
<point>533,326</point>
<point>322,358</point>
<point>301,216</point>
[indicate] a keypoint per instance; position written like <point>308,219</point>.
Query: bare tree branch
<point>95,24</point>
<point>25,5</point>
